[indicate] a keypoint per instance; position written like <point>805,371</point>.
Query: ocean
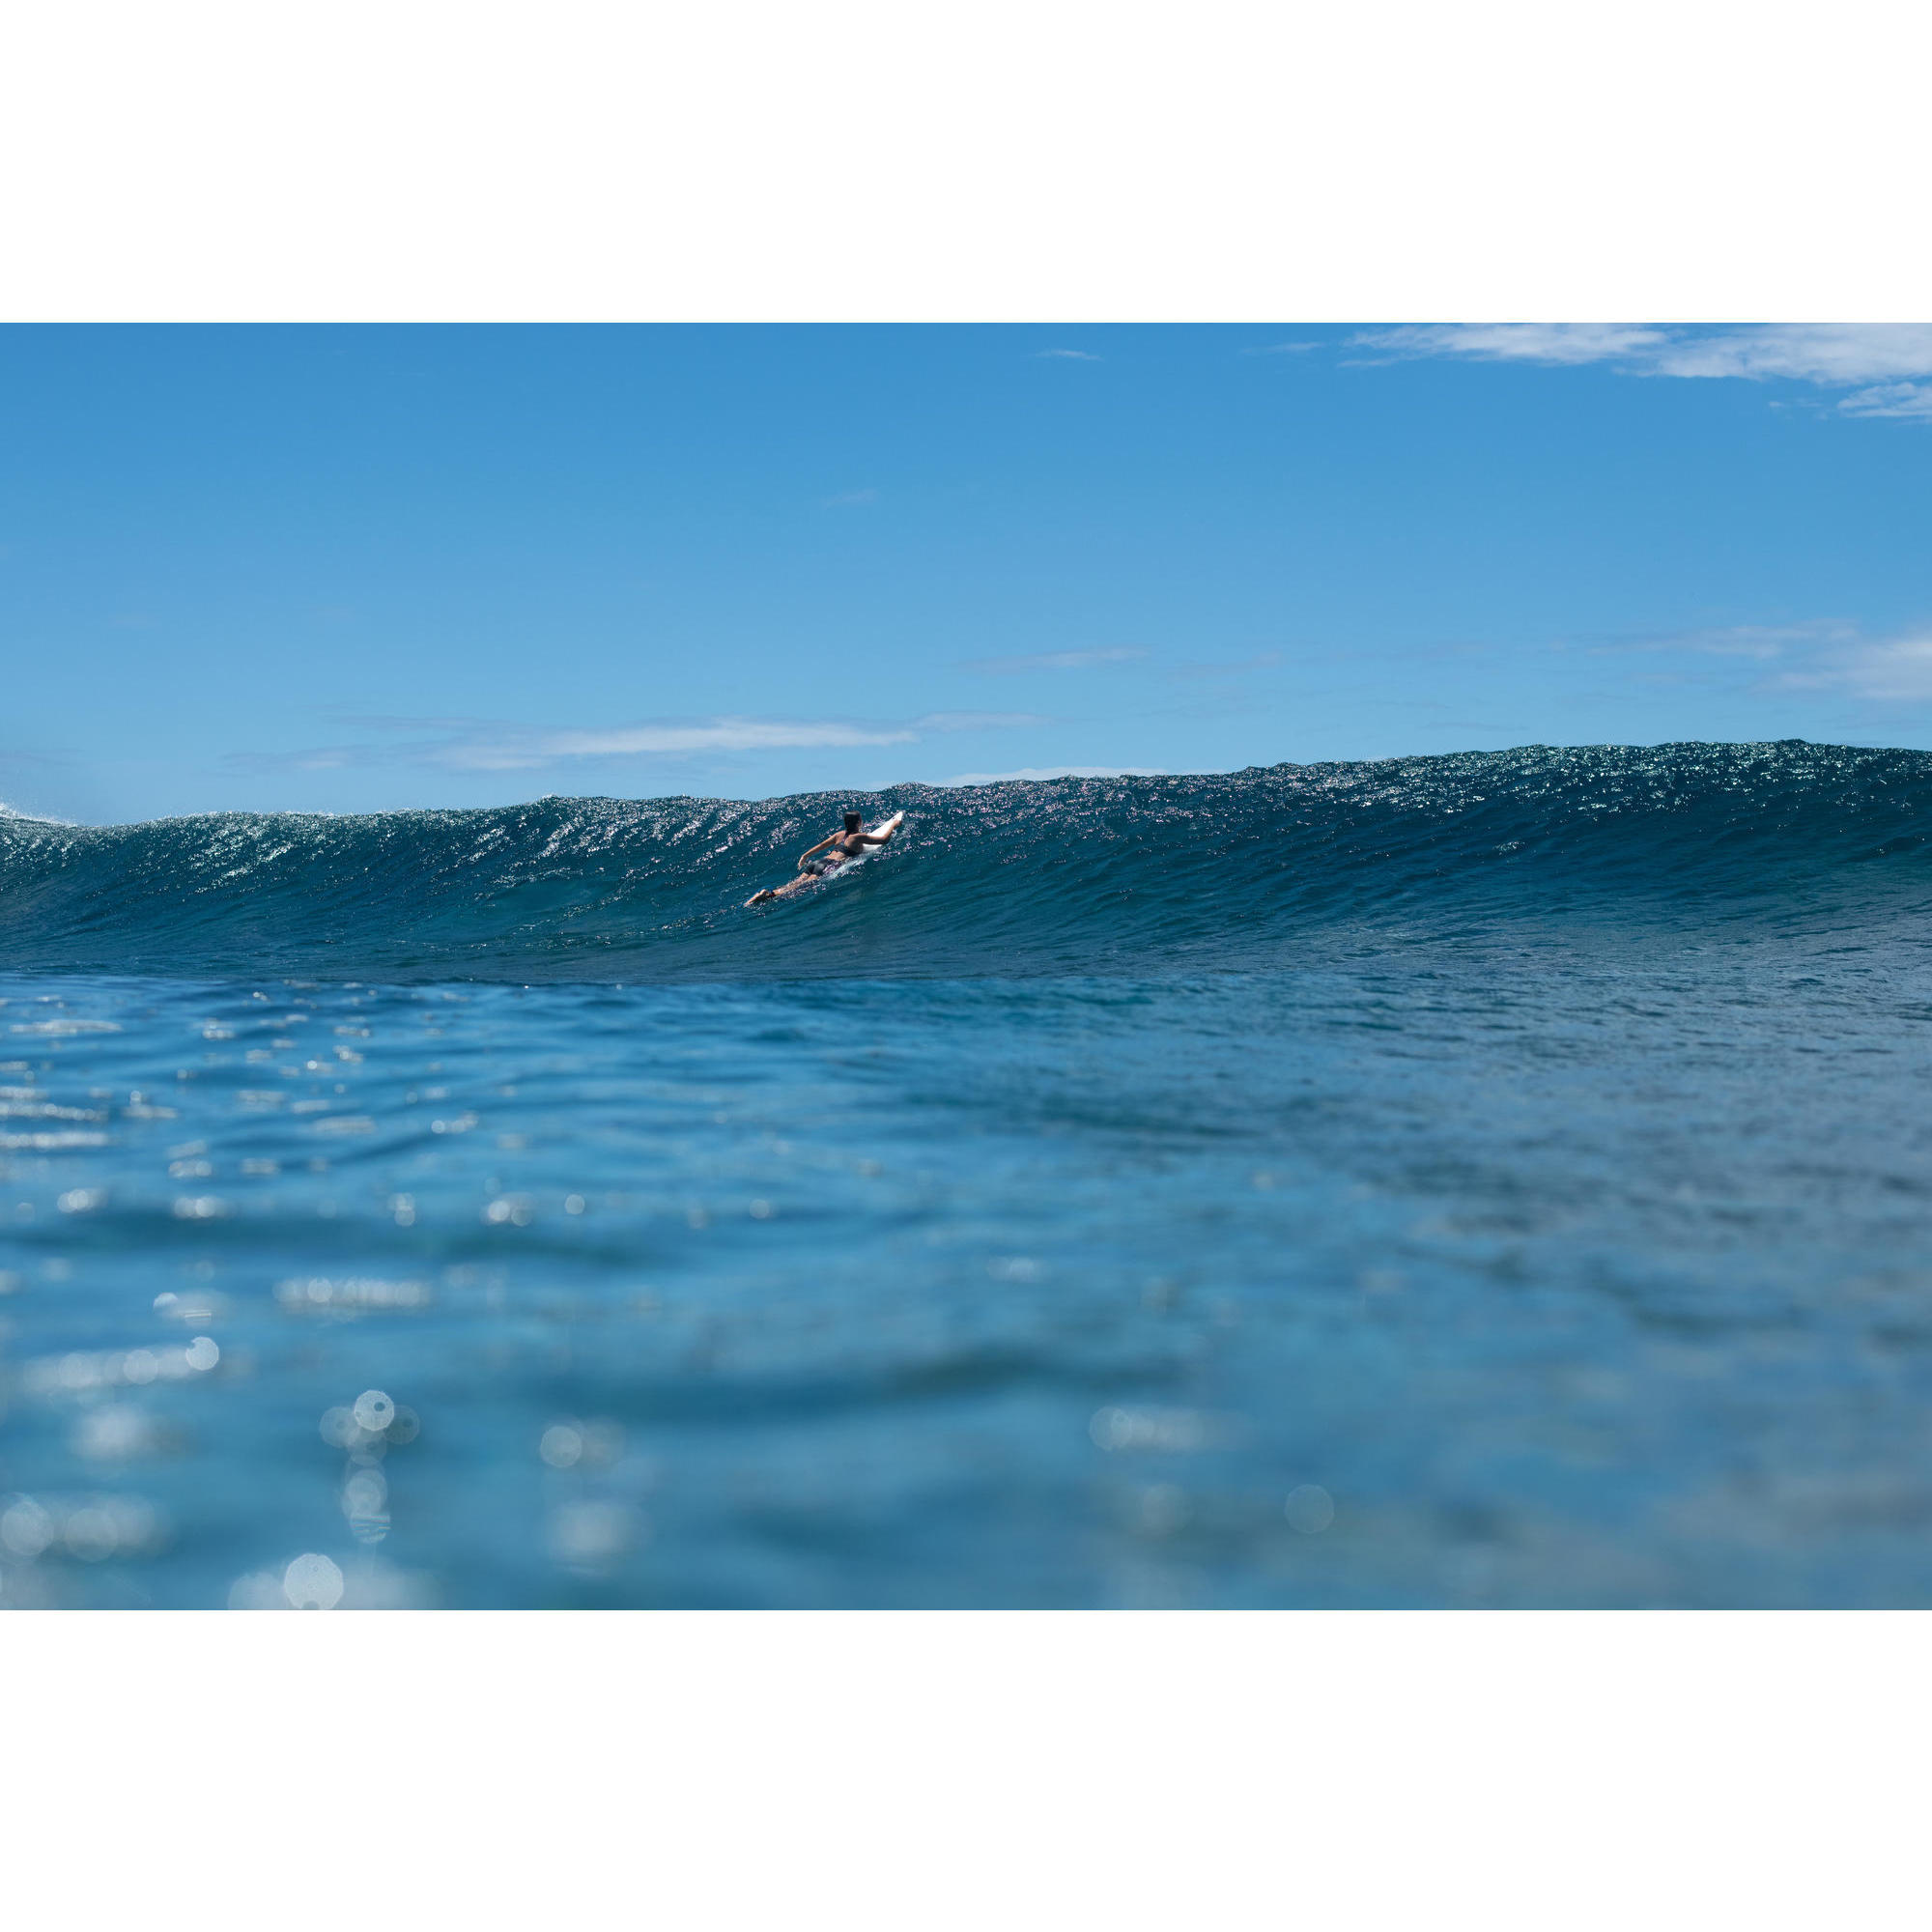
<point>1489,1181</point>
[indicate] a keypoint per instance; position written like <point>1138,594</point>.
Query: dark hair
<point>853,821</point>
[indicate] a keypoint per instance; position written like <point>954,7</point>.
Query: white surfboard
<point>885,829</point>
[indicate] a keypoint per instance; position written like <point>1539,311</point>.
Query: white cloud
<point>1828,355</point>
<point>1763,641</point>
<point>1035,772</point>
<point>479,745</point>
<point>978,721</point>
<point>313,759</point>
<point>1896,358</point>
<point>520,751</point>
<point>1892,399</point>
<point>1240,667</point>
<point>1054,661</point>
<point>1897,671</point>
<point>1066,355</point>
<point>1518,341</point>
<point>1825,654</point>
<point>388,721</point>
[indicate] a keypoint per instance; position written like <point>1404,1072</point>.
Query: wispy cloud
<point>482,746</point>
<point>1517,341</point>
<point>1887,366</point>
<point>1236,667</point>
<point>1827,655</point>
<point>1912,400</point>
<point>1066,355</point>
<point>313,759</point>
<point>517,750</point>
<point>1281,349</point>
<point>978,720</point>
<point>1035,772</point>
<point>848,499</point>
<point>388,721</point>
<point>1892,671</point>
<point>1054,661</point>
<point>1764,642</point>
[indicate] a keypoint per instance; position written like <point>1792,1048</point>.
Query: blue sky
<point>344,569</point>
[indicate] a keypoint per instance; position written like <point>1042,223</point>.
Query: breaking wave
<point>1234,871</point>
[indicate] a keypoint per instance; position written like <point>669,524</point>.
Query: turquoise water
<point>1496,1181</point>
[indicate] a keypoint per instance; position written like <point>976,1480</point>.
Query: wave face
<point>1221,872</point>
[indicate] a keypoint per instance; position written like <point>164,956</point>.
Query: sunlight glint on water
<point>1551,1233</point>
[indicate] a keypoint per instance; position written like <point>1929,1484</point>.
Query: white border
<point>1047,160</point>
<point>1596,1771</point>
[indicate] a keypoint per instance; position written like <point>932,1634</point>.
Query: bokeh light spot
<point>312,1582</point>
<point>1310,1509</point>
<point>374,1411</point>
<point>26,1528</point>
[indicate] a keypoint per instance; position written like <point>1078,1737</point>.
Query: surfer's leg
<point>786,890</point>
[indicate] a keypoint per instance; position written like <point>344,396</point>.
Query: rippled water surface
<point>1468,1251</point>
<point>1529,1284</point>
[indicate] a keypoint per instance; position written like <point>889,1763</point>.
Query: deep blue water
<point>1503,1180</point>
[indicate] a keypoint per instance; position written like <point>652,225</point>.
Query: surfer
<point>839,848</point>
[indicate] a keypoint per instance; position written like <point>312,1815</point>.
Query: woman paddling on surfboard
<point>842,846</point>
